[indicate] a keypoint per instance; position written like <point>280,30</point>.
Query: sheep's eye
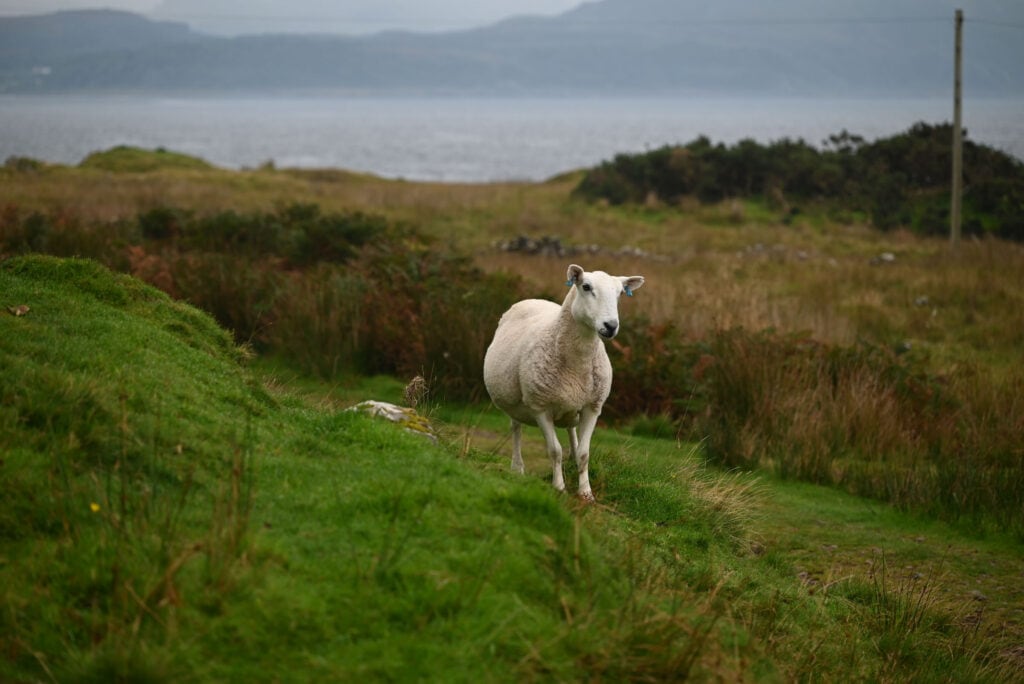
<point>586,287</point>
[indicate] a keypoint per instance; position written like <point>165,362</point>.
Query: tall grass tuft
<point>872,421</point>
<point>864,417</point>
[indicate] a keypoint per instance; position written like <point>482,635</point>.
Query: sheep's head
<point>596,304</point>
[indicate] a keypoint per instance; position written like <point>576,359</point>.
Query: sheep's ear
<point>574,275</point>
<point>631,283</point>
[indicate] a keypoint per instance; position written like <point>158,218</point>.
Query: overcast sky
<point>335,16</point>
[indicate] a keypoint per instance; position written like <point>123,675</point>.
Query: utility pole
<point>958,143</point>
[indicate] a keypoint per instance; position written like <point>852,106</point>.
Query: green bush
<point>299,233</point>
<point>426,311</point>
<point>161,223</point>
<point>23,164</point>
<point>902,180</point>
<point>999,203</point>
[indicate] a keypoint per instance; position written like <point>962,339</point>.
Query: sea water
<point>458,138</point>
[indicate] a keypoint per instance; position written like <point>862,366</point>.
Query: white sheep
<point>547,366</point>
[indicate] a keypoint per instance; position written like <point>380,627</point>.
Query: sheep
<point>547,366</point>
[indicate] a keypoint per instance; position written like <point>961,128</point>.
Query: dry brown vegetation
<point>709,267</point>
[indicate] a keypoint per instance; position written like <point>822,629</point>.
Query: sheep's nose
<point>609,328</point>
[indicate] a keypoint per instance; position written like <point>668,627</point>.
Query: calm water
<point>456,139</point>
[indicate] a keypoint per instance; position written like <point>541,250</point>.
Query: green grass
<point>124,421</point>
<point>816,583</point>
<point>173,512</point>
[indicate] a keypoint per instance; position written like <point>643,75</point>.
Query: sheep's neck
<point>574,343</point>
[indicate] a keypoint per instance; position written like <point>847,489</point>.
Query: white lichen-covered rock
<point>401,415</point>
<point>547,366</point>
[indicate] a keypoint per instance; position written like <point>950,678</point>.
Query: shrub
<point>1000,203</point>
<point>161,223</point>
<point>23,164</point>
<point>298,233</point>
<point>22,235</point>
<point>656,373</point>
<point>900,181</point>
<point>335,237</point>
<point>430,312</point>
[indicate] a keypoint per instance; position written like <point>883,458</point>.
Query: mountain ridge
<point>610,46</point>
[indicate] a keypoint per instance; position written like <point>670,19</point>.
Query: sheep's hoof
<point>586,497</point>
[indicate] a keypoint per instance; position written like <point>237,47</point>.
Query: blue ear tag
<point>568,283</point>
<point>629,293</point>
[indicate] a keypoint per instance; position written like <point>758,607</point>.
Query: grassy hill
<point>170,517</point>
<point>127,159</point>
<point>171,513</point>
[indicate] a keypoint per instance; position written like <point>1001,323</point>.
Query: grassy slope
<point>254,530</point>
<point>131,436</point>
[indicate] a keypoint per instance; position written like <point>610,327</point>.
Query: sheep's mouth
<point>605,333</point>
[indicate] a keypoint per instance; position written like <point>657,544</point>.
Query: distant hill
<point>55,39</point>
<point>869,47</point>
<point>352,17</point>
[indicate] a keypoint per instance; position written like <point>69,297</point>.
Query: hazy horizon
<point>224,17</point>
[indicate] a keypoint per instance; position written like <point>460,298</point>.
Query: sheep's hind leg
<point>547,426</point>
<point>517,453</point>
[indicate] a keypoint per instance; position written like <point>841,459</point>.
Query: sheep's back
<point>518,329</point>
<point>531,313</point>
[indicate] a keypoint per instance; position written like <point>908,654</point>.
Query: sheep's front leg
<point>547,426</point>
<point>588,421</point>
<point>517,453</point>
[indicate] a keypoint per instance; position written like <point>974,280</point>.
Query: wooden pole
<point>958,143</point>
